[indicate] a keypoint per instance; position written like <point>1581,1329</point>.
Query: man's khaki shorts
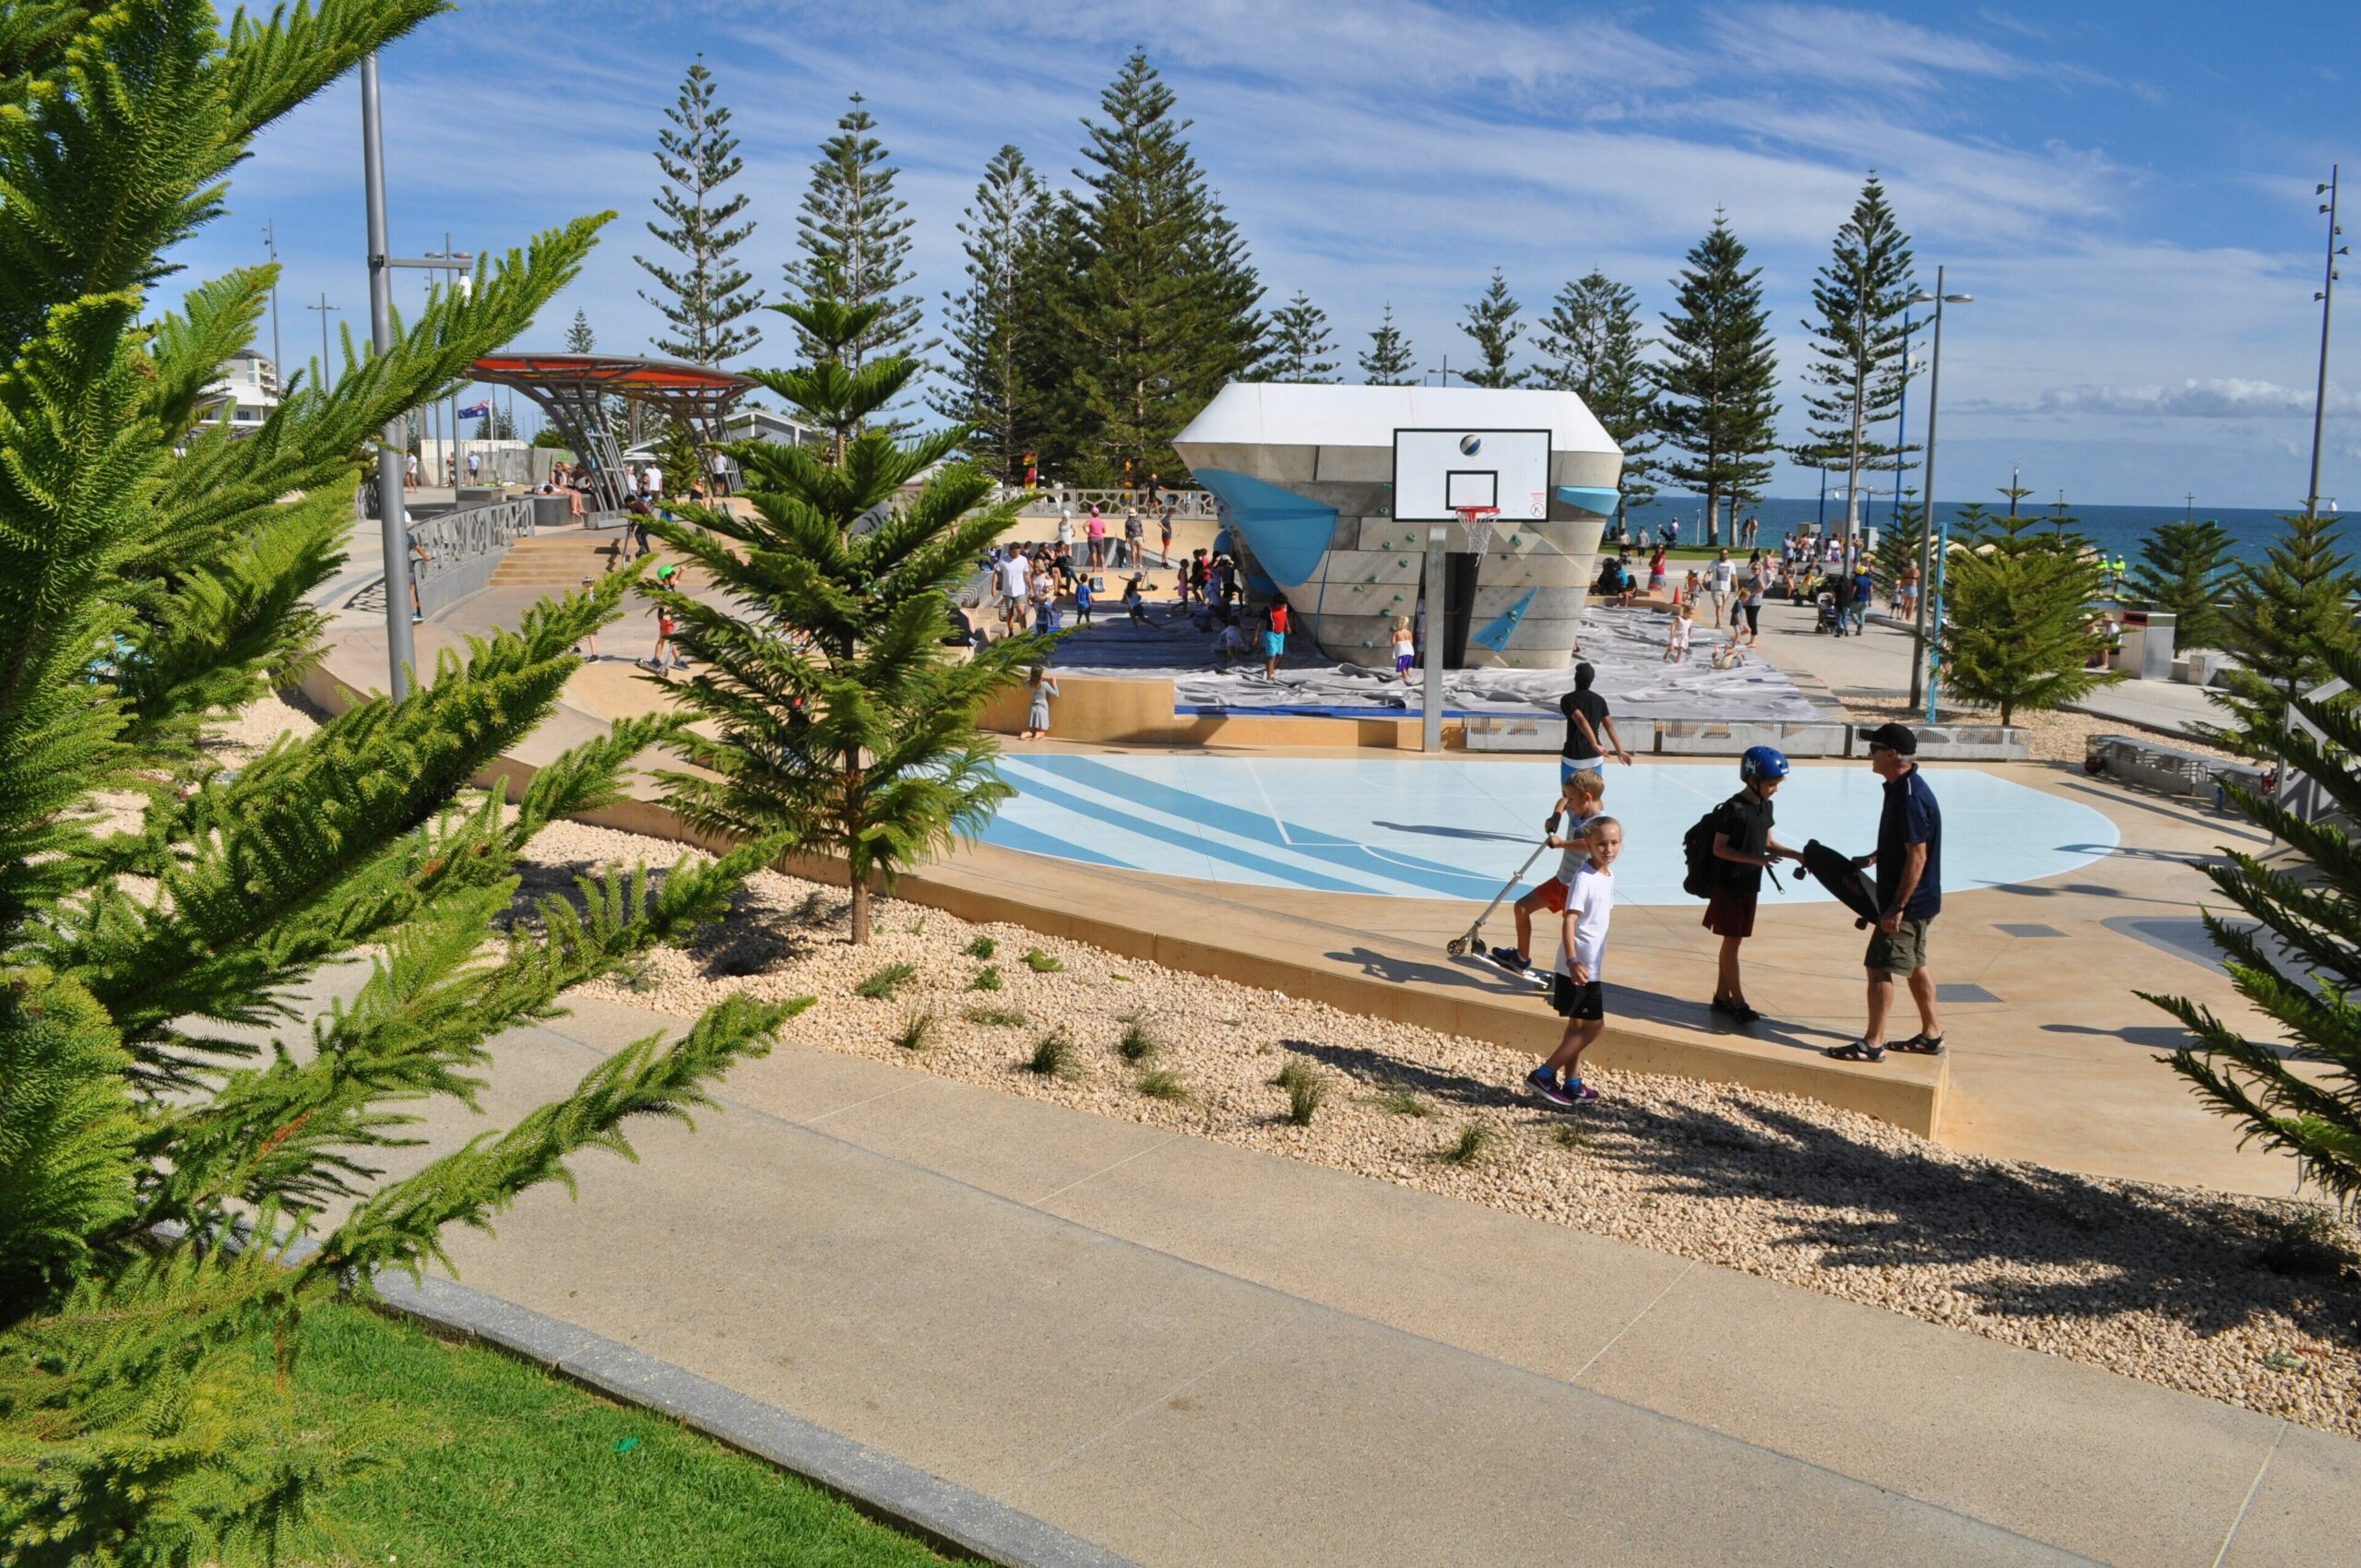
<point>1901,953</point>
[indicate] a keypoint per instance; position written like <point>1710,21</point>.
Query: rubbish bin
<point>2148,643</point>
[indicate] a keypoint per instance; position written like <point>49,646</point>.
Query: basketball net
<point>1478,521</point>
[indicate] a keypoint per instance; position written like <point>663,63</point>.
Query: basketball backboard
<point>1437,471</point>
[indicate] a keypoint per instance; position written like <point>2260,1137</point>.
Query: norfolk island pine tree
<point>1491,322</point>
<point>1717,383</point>
<point>704,299</point>
<point>1592,345</point>
<point>2018,629</point>
<point>154,575</point>
<point>1155,296</point>
<point>2186,567</point>
<point>840,720</point>
<point>1388,361</point>
<point>2283,619</point>
<point>1299,344</point>
<point>987,385</point>
<point>2300,964</point>
<point>1859,354</point>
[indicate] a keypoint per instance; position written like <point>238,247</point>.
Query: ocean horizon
<point>2114,529</point>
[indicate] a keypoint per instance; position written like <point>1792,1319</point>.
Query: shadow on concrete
<point>1466,974</point>
<point>2058,1245</point>
<point>2168,1037</point>
<point>1455,832</point>
<point>1649,1006</point>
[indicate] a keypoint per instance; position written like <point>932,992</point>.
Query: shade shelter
<point>572,389</point>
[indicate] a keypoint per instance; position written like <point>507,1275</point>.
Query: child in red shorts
<point>1579,798</point>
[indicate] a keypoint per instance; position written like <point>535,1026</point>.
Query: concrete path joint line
<point>1094,1176</point>
<point>2248,1502</point>
<point>1177,1389</point>
<point>1627,1328</point>
<point>839,1111</point>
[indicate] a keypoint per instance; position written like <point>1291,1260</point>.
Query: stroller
<point>1830,619</point>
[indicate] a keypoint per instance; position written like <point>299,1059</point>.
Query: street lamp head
<point>1919,297</point>
<point>1959,299</point>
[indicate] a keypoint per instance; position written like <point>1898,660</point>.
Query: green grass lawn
<point>488,1459</point>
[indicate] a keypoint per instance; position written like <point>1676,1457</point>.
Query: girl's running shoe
<point>1543,1082</point>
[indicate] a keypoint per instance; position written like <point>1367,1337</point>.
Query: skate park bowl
<point>1459,829</point>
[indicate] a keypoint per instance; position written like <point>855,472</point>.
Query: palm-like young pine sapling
<point>155,576</point>
<point>2301,965</point>
<point>2018,630</point>
<point>839,716</point>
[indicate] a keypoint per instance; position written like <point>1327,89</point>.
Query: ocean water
<point>2114,529</point>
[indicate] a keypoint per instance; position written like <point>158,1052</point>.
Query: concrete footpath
<point>1195,1354</point>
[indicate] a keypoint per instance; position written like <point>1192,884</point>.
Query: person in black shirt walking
<point>1590,729</point>
<point>1909,858</point>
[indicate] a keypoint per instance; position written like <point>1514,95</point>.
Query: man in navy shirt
<point>1909,860</point>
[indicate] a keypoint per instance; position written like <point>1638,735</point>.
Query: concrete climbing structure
<point>1305,475</point>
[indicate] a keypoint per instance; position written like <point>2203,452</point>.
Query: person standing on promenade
<point>1721,578</point>
<point>1095,532</point>
<point>1909,860</point>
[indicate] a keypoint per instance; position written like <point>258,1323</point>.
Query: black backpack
<point>1705,868</point>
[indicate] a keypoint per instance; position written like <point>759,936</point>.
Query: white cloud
<point>2221,398</point>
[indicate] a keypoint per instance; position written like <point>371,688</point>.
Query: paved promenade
<point>1192,1353</point>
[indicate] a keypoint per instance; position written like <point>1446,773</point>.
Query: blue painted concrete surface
<point>1450,828</point>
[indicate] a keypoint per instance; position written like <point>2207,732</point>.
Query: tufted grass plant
<point>1475,1140</point>
<point>1054,1057</point>
<point>881,985</point>
<point>1163,1084</point>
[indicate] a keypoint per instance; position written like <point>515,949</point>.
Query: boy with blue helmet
<point>1743,848</point>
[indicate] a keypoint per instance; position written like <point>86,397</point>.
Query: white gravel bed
<point>2159,1283</point>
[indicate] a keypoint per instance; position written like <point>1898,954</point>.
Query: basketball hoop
<point>1478,521</point>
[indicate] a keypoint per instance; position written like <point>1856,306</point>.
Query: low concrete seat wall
<point>2168,769</point>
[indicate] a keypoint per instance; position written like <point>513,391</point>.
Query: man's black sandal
<point>1919,1045</point>
<point>1860,1051</point>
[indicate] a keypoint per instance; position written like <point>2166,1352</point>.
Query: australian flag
<point>477,411</point>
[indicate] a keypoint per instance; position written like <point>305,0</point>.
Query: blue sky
<point>2126,189</point>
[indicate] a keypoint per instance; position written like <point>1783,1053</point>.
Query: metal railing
<point>1112,502</point>
<point>455,555</point>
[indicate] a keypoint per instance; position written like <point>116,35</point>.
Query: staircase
<point>553,563</point>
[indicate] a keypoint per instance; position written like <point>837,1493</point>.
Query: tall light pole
<point>393,521</point>
<point>323,308</point>
<point>270,244</point>
<point>2327,297</point>
<point>1901,418</point>
<point>1924,658</point>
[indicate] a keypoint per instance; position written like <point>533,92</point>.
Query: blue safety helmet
<point>1763,763</point>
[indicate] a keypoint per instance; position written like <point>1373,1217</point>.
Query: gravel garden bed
<point>2250,1301</point>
